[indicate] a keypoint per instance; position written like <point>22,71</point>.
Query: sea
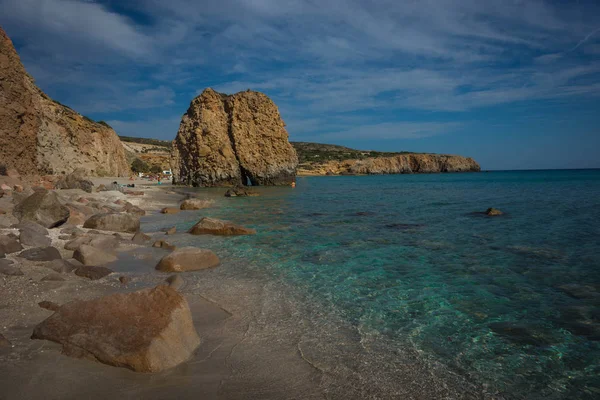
<point>505,306</point>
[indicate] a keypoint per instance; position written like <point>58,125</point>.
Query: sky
<point>514,84</point>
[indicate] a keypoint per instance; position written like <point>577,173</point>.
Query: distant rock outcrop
<point>41,136</point>
<point>230,140</point>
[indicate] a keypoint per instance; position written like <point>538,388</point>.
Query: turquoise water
<point>509,302</point>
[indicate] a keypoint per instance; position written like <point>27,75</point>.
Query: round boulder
<point>123,222</point>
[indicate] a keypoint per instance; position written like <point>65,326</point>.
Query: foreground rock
<point>115,222</point>
<point>212,226</point>
<point>188,259</point>
<point>232,140</point>
<point>33,238</point>
<point>44,208</point>
<point>41,136</point>
<point>195,204</point>
<point>7,268</point>
<point>147,331</point>
<point>88,255</point>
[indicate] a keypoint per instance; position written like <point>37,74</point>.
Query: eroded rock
<point>188,259</point>
<point>88,255</point>
<point>44,208</point>
<point>9,245</point>
<point>147,331</point>
<point>114,222</point>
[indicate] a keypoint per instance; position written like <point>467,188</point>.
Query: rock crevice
<point>231,140</point>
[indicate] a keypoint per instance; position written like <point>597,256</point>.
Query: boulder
<point>492,212</point>
<point>169,210</point>
<point>240,191</point>
<point>76,180</point>
<point>135,210</point>
<point>214,226</point>
<point>41,254</point>
<point>49,305</point>
<point>176,282</point>
<point>163,245</point>
<point>124,279</point>
<point>171,231</point>
<point>188,259</point>
<point>147,331</point>
<point>92,272</point>
<point>44,208</point>
<point>53,277</point>
<point>61,266</point>
<point>9,245</point>
<point>195,204</point>
<point>37,228</point>
<point>8,268</point>
<point>122,222</point>
<point>140,238</point>
<point>88,255</point>
<point>29,237</point>
<point>4,342</point>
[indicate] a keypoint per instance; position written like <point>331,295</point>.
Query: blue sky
<point>514,84</point>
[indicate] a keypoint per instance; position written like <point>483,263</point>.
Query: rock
<point>171,231</point>
<point>2,212</point>
<point>195,204</point>
<point>9,269</point>
<point>88,255</point>
<point>188,259</point>
<point>214,226</point>
<point>37,228</point>
<point>44,208</point>
<point>29,237</point>
<point>76,180</point>
<point>74,263</point>
<point>585,292</point>
<point>72,230</point>
<point>176,282</point>
<point>4,342</point>
<point>104,242</point>
<point>113,222</point>
<point>49,305</point>
<point>61,266</point>
<point>163,245</point>
<point>9,245</point>
<point>147,331</point>
<point>6,188</point>
<point>18,188</point>
<point>135,210</point>
<point>239,191</point>
<point>92,272</point>
<point>169,210</point>
<point>40,136</point>
<point>522,333</point>
<point>124,279</point>
<point>140,238</point>
<point>83,200</point>
<point>492,212</point>
<point>41,254</point>
<point>233,140</point>
<point>75,243</point>
<point>53,277</point>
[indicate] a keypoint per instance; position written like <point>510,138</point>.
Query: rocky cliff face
<point>227,140</point>
<point>41,136</point>
<point>399,164</point>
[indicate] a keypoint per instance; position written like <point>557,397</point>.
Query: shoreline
<point>239,354</point>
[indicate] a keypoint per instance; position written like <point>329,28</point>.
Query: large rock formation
<point>41,136</point>
<point>228,140</point>
<point>399,164</point>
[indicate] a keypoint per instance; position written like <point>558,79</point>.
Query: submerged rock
<point>212,226</point>
<point>239,191</point>
<point>233,140</point>
<point>113,222</point>
<point>522,333</point>
<point>147,331</point>
<point>163,245</point>
<point>492,212</point>
<point>188,259</point>
<point>42,207</point>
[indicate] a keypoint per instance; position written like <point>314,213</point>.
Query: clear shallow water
<point>510,302</point>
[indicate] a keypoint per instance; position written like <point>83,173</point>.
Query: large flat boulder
<point>33,238</point>
<point>88,255</point>
<point>213,226</point>
<point>43,207</point>
<point>147,331</point>
<point>115,222</point>
<point>188,259</point>
<point>41,254</point>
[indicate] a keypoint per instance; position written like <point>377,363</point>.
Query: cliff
<point>229,140</point>
<point>41,136</point>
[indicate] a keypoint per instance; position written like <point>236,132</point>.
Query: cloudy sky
<point>513,83</point>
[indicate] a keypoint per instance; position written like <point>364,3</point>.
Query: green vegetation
<point>318,153</point>
<point>156,169</point>
<point>105,124</point>
<point>153,142</point>
<point>139,166</point>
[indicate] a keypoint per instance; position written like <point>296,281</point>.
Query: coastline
<point>241,355</point>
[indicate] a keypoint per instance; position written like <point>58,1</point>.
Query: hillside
<point>318,152</point>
